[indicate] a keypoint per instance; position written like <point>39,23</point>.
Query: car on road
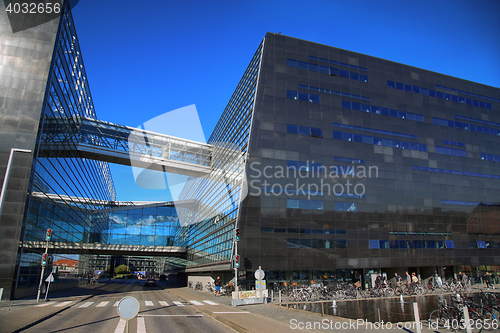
<point>150,283</point>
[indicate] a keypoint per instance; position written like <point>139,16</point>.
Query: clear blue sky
<point>144,58</point>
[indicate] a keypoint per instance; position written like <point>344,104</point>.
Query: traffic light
<point>48,235</point>
<point>236,260</point>
<point>44,259</point>
<point>238,234</point>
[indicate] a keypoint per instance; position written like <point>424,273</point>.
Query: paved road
<point>160,311</point>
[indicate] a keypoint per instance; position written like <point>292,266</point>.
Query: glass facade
<point>65,190</point>
<point>210,234</point>
<point>338,187</point>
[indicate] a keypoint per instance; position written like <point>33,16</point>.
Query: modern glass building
<point>45,96</point>
<point>332,164</point>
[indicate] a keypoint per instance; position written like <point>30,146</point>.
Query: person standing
<point>218,284</point>
<point>398,279</point>
<point>408,278</point>
<point>487,279</point>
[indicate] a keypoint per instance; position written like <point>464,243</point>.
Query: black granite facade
<point>359,164</point>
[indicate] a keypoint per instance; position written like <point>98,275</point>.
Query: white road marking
<point>186,315</point>
<point>116,303</point>
<point>45,304</point>
<point>163,303</point>
<point>86,305</point>
<point>141,325</point>
<point>60,305</point>
<point>121,326</point>
<point>178,303</point>
<point>102,304</point>
<point>196,303</point>
<point>210,302</point>
<point>233,312</point>
<point>149,303</point>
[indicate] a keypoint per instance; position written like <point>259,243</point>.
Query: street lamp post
<point>7,173</point>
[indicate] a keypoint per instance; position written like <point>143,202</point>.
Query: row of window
<point>463,203</point>
<point>468,93</point>
<point>304,204</point>
<point>490,157</point>
<point>333,92</point>
<point>280,189</point>
<point>305,231</point>
<point>302,96</point>
<point>316,243</point>
<point>382,111</point>
<point>348,160</point>
<point>464,126</point>
<point>333,62</point>
<point>304,130</point>
<point>318,205</point>
<point>346,206</point>
<point>450,151</point>
<point>304,166</point>
<point>484,244</point>
<point>438,94</point>
<point>453,143</point>
<point>478,120</point>
<point>456,172</point>
<point>378,141</point>
<point>326,70</point>
<point>374,130</point>
<point>419,233</point>
<point>410,244</point>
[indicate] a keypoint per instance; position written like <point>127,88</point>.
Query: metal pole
<point>417,317</point>
<point>43,272</point>
<point>7,173</point>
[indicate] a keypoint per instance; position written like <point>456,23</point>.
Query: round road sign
<point>128,307</point>
<point>262,274</point>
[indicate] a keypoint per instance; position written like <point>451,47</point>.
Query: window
<point>316,132</point>
<point>481,244</point>
<point>449,244</point>
<point>314,99</point>
<point>291,94</point>
<point>374,244</point>
<point>291,62</point>
<point>304,130</point>
<point>340,206</point>
<point>317,204</point>
<point>303,97</point>
<point>346,104</point>
<point>294,129</point>
<point>292,203</point>
<point>304,204</point>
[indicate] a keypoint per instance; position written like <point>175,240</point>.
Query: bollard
<point>466,319</point>
<point>322,309</point>
<point>378,316</point>
<point>280,296</point>
<point>272,295</point>
<point>401,298</point>
<point>1,294</point>
<point>334,304</point>
<point>417,317</point>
